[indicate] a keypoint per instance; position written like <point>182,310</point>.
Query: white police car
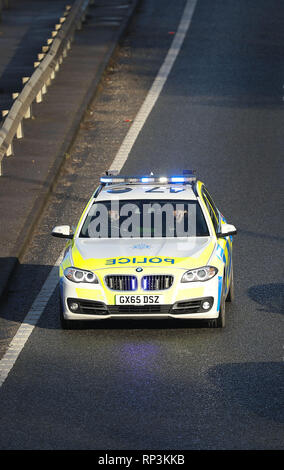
<point>147,247</point>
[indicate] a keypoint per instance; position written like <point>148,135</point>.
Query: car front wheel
<point>221,320</point>
<point>231,293</point>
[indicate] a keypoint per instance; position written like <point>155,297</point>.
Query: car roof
<point>146,191</point>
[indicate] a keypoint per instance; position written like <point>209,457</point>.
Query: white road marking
<point>18,342</point>
<point>156,88</point>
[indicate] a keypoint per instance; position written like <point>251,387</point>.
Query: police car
<point>150,246</point>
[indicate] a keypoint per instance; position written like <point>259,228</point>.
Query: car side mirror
<point>62,231</point>
<point>226,230</point>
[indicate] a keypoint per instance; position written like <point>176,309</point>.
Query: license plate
<point>138,299</point>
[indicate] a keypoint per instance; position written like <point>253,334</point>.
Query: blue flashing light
<point>177,179</point>
<point>145,180</point>
<point>104,179</point>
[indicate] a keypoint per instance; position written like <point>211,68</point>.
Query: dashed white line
<point>18,342</point>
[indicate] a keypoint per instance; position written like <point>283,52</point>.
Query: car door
<point>224,244</point>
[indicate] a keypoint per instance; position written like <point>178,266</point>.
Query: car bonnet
<point>175,253</point>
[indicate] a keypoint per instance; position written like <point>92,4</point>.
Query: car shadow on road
<point>269,296</point>
<point>141,324</point>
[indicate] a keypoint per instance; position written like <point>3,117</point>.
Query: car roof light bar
<point>188,177</point>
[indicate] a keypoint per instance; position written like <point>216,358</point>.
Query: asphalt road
<point>162,385</point>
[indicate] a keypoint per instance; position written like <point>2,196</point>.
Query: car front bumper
<point>181,301</point>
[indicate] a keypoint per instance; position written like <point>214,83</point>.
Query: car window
<point>145,218</point>
<point>212,209</point>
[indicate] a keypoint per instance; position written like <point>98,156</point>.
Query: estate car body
<point>138,271</point>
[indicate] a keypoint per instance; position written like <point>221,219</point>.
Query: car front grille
<point>130,283</point>
<point>139,309</point>
<point>157,282</point>
<point>124,282</point>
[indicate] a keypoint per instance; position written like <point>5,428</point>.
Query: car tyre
<point>221,320</point>
<point>231,293</point>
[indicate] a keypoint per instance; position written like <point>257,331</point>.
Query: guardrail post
<point>20,131</point>
<point>44,89</point>
<point>10,150</point>
<point>5,112</point>
<point>39,97</point>
<point>40,56</point>
<point>29,113</point>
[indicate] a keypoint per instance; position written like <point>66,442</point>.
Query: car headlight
<point>201,274</point>
<point>80,275</point>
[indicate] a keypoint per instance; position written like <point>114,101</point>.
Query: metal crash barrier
<point>34,88</point>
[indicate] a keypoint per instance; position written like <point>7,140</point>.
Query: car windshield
<point>144,219</point>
